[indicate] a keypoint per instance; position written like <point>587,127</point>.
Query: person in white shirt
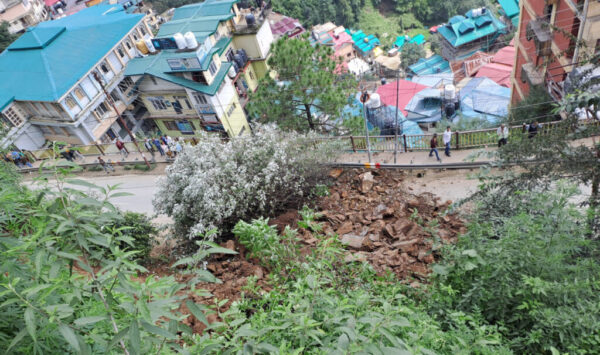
<point>502,135</point>
<point>447,139</point>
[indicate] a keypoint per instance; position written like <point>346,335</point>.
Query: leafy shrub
<point>139,229</point>
<point>144,167</point>
<point>96,167</point>
<point>215,184</point>
<point>528,267</point>
<point>327,306</point>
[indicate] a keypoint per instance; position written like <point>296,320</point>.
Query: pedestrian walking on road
<point>163,139</point>
<point>433,145</point>
<point>447,138</point>
<point>533,129</point>
<point>502,135</point>
<point>122,149</point>
<point>150,148</point>
<point>105,165</point>
<point>158,146</point>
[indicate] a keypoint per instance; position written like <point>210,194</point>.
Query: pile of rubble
<point>381,222</point>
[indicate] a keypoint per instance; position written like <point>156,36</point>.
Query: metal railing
<point>407,143</point>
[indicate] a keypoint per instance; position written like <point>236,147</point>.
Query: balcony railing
<point>205,109</point>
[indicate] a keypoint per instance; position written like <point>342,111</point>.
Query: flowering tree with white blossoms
<point>215,184</point>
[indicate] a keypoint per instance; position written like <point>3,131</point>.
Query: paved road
<point>142,187</point>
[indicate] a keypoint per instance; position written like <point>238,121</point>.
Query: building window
<point>158,103</point>
<point>104,68</point>
<point>229,55</point>
<point>71,104</point>
<point>212,68</point>
<point>121,53</point>
<point>128,45</point>
<point>184,99</point>
<point>143,30</point>
<point>14,116</point>
<point>231,109</point>
<point>79,94</point>
<point>171,125</point>
<point>251,74</point>
<point>200,99</point>
<point>135,36</point>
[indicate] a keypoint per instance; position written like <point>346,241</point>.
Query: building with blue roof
<point>427,66</point>
<point>478,30</point>
<point>484,98</point>
<point>48,91</point>
<point>510,10</point>
<point>363,44</point>
<point>401,40</point>
<point>201,67</point>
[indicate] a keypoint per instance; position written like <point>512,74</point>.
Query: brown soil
<point>380,221</point>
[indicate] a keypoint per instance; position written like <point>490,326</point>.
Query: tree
<point>435,43</point>
<point>308,94</point>
<point>536,106</point>
<point>6,38</point>
<point>411,52</point>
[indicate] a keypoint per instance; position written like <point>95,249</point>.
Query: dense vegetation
<point>5,37</point>
<point>313,12</point>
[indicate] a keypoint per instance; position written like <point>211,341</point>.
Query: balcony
<point>531,74</point>
<point>205,109</point>
<point>539,31</point>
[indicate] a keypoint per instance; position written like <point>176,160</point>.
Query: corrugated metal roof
<point>510,7</point>
<point>484,96</point>
<point>432,65</point>
<point>44,63</point>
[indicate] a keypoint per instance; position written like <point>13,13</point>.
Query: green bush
<point>528,267</point>
<point>324,305</point>
<point>141,233</point>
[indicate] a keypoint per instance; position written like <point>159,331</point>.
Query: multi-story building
<point>478,30</point>
<point>21,14</point>
<point>48,89</point>
<point>200,67</point>
<point>554,37</point>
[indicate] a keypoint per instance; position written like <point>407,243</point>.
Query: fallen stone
<point>335,173</point>
<point>353,257</point>
<point>366,182</point>
<point>230,244</point>
<point>258,272</point>
<point>388,231</point>
<point>374,237</point>
<point>353,241</point>
<point>345,228</point>
<point>405,245</point>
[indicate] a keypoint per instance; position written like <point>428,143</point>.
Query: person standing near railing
<point>533,129</point>
<point>502,133</point>
<point>122,149</point>
<point>150,148</point>
<point>433,145</point>
<point>447,139</point>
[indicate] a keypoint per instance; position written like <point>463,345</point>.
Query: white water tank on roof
<point>374,101</point>
<point>149,45</point>
<point>449,92</point>
<point>190,40</point>
<point>232,73</point>
<point>179,40</point>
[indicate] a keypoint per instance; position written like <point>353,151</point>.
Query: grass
<point>388,27</point>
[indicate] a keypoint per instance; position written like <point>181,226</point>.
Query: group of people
<point>502,133</point>
<point>446,138</point>
<point>18,158</point>
<point>164,145</point>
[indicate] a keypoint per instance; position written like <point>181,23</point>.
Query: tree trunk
<point>594,202</point>
<point>311,125</point>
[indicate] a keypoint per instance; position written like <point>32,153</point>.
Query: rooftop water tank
<point>232,72</point>
<point>141,46</point>
<point>149,45</point>
<point>374,101</point>
<point>179,40</point>
<point>238,59</point>
<point>244,55</point>
<point>450,111</point>
<point>250,20</point>
<point>449,92</point>
<point>190,40</point>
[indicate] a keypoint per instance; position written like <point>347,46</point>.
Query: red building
<point>553,38</point>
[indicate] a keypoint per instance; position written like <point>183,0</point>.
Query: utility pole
<point>396,121</point>
<point>364,98</point>
<point>112,103</point>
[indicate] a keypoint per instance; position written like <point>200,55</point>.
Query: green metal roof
<point>461,30</point>
<point>202,18</point>
<point>157,66</point>
<point>48,59</point>
<point>222,44</point>
<point>510,7</point>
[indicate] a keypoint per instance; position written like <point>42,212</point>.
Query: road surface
<point>142,187</point>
